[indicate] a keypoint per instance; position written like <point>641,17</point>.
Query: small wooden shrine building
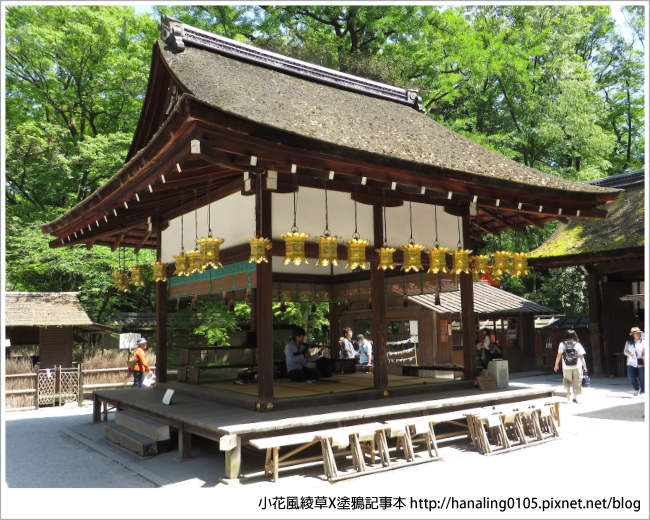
<point>242,143</point>
<point>46,321</point>
<point>611,252</point>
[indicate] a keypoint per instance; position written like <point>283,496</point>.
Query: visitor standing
<point>365,350</point>
<point>140,366</point>
<point>571,352</point>
<point>347,349</point>
<point>635,353</point>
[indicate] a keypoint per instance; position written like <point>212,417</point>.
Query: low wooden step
<point>146,426</point>
<point>130,440</point>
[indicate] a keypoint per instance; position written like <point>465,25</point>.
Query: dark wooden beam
<point>467,311</point>
<point>377,293</point>
<point>161,317</point>
<point>264,311</point>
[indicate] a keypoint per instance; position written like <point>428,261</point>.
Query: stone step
<point>132,441</point>
<point>146,426</point>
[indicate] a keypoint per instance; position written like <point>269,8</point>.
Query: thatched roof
<point>622,229</point>
<point>487,300</point>
<point>40,309</point>
<point>339,117</point>
<point>217,110</point>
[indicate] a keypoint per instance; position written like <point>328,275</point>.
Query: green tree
<point>31,265</point>
<point>74,76</point>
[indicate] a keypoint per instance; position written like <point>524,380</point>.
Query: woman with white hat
<point>635,354</point>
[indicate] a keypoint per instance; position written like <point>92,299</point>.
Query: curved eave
<point>128,202</point>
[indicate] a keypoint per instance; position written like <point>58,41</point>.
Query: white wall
<point>233,219</point>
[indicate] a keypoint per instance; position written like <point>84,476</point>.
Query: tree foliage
<point>557,87</point>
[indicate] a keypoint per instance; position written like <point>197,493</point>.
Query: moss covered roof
<point>342,118</point>
<point>622,228</point>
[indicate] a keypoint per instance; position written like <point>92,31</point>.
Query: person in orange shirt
<point>141,365</point>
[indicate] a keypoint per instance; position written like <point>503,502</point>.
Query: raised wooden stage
<point>221,415</point>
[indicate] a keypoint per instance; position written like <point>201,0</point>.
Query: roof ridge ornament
<point>172,33</point>
<point>177,34</point>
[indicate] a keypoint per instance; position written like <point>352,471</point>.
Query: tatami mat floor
<point>335,384</point>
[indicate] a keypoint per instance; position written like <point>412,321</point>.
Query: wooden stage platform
<point>229,417</point>
<point>340,388</point>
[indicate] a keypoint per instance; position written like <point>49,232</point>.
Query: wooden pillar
<point>467,308</point>
<point>161,317</point>
<point>335,330</point>
<point>378,295</point>
<point>264,309</point>
<point>595,334</point>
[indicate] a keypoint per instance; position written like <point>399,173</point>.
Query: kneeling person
<point>297,358</point>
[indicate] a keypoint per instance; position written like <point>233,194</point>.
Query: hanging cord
<point>385,244</point>
<point>355,235</point>
<point>435,220</point>
<point>182,230</point>
<point>460,245</point>
<point>517,231</point>
<point>196,218</point>
<point>207,198</point>
<point>294,229</point>
<point>327,225</point>
<point>258,206</point>
<point>411,241</point>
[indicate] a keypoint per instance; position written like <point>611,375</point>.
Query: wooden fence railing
<point>61,385</point>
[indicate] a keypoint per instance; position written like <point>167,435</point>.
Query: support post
<point>97,409</point>
<point>184,443</point>
<point>467,307</point>
<point>264,309</point>
<point>595,334</point>
<point>378,295</point>
<point>335,330</point>
<point>161,317</point>
<point>80,383</point>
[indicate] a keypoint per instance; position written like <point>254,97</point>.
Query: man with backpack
<point>571,352</point>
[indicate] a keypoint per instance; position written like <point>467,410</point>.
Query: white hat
<point>142,341</point>
<point>634,330</point>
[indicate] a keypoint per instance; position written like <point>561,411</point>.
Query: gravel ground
<point>591,460</point>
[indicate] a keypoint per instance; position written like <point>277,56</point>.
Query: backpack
<point>570,354</point>
<point>130,362</point>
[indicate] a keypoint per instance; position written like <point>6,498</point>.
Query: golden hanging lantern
<point>195,264</point>
<point>437,259</point>
<point>461,261</point>
<point>520,264</point>
<point>327,249</point>
<point>295,246</point>
<point>386,258</point>
<point>480,264</point>
<point>259,245</point>
<point>209,248</point>
<point>137,275</point>
<point>501,263</point>
<point>412,256</point>
<point>120,281</point>
<point>356,252</point>
<point>159,271</point>
<point>182,264</point>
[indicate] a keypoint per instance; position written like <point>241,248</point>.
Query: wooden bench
<point>362,439</point>
<point>527,422</point>
<point>272,446</point>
